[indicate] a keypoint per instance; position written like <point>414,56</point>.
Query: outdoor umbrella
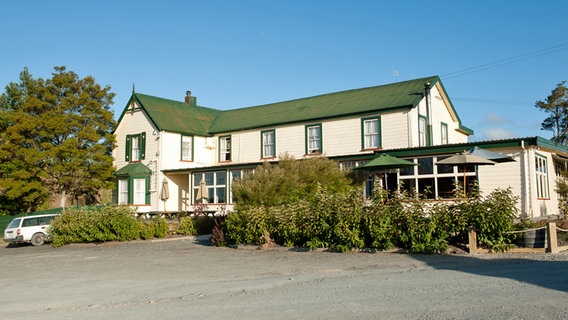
<point>202,193</point>
<point>464,159</point>
<point>384,163</point>
<point>490,155</point>
<point>165,193</point>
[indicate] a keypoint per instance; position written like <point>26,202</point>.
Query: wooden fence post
<point>472,239</point>
<point>551,238</point>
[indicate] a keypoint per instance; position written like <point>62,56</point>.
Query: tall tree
<point>556,105</point>
<point>56,138</point>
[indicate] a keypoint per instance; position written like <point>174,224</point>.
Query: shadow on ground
<point>541,270</point>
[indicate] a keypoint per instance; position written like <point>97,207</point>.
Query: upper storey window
<point>371,128</point>
<point>225,148</point>
<point>313,139</point>
<point>135,147</point>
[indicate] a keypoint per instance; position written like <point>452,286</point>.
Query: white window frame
<point>123,191</point>
<point>371,133</point>
<point>135,147</point>
<point>215,185</point>
<point>268,144</point>
<point>314,139</point>
<point>225,148</point>
<point>139,191</point>
<point>541,171</point>
<point>422,131</point>
<point>186,148</point>
<point>444,133</point>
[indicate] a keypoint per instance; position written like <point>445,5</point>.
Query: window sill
<point>186,161</point>
<point>372,149</point>
<point>312,155</point>
<point>268,158</point>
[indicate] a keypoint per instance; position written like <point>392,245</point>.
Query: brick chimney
<point>190,100</point>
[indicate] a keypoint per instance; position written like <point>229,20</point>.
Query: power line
<point>506,61</point>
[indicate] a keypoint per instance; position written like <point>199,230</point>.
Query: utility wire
<point>506,61</point>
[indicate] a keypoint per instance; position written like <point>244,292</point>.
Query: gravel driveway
<point>186,279</point>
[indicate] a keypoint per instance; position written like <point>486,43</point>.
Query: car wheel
<point>38,239</point>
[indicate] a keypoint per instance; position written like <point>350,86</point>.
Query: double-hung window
<point>123,191</point>
<point>139,195</point>
<point>187,148</point>
<point>541,177</point>
<point>135,147</point>
<point>225,148</point>
<point>444,133</point>
<point>422,131</point>
<point>313,139</point>
<point>133,190</point>
<point>268,144</point>
<point>371,133</point>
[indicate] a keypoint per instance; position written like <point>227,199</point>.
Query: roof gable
<point>174,116</point>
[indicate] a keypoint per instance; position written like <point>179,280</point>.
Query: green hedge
<point>340,221</point>
<point>106,224</point>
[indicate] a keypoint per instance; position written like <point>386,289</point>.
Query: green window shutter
<point>148,190</point>
<point>128,148</point>
<point>143,146</point>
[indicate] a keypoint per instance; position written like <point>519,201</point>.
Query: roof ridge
<point>434,77</point>
<point>175,101</point>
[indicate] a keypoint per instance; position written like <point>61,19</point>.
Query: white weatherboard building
<point>166,149</point>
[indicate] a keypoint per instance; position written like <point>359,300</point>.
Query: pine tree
<point>556,105</point>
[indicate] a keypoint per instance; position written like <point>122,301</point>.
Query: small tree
<point>556,105</point>
<point>288,181</point>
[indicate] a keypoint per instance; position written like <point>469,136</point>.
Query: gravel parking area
<point>187,279</point>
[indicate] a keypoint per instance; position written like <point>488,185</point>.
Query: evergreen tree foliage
<point>55,140</point>
<point>556,105</point>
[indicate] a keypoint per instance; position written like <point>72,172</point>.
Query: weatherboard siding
<point>134,123</point>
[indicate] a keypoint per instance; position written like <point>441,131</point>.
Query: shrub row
<point>340,221</point>
<point>104,224</point>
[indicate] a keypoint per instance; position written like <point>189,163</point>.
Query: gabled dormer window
<point>135,147</point>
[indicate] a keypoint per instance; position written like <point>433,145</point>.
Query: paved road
<point>185,279</point>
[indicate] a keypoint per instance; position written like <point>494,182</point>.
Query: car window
<point>30,222</point>
<point>14,224</point>
<point>45,220</point>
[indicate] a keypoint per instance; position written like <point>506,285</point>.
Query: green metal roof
<point>133,169</point>
<point>176,116</point>
<point>489,144</point>
<point>352,102</point>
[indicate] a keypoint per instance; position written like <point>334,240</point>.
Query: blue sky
<point>495,58</point>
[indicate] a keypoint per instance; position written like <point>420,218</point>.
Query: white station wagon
<point>31,229</point>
